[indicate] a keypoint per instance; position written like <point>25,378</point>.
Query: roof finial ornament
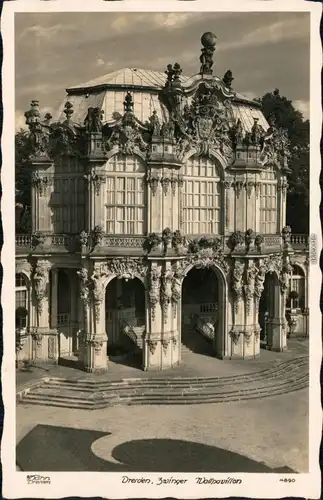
<point>128,103</point>
<point>68,110</point>
<point>33,115</point>
<point>208,41</point>
<point>228,79</point>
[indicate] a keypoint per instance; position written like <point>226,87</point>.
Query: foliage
<point>23,151</point>
<point>287,117</point>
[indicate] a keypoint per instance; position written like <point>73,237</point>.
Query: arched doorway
<point>268,309</point>
<point>125,312</point>
<point>64,314</point>
<point>200,311</point>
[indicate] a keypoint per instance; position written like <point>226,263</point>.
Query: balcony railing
<point>71,243</point>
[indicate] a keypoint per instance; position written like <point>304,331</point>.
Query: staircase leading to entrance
<point>89,393</point>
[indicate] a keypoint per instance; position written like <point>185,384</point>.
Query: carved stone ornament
<point>176,289</point>
<point>154,289</point>
<point>97,345</point>
<point>249,187</point>
<point>247,333</point>
<point>249,287</point>
<point>93,120</point>
<point>257,189</point>
<point>174,340</point>
<point>238,185</point>
<point>276,147</point>
<point>165,343</point>
<point>153,179</point>
<point>98,292</point>
<point>235,335</point>
<point>96,180</point>
<point>173,182</point>
<point>259,284</point>
<point>127,268</point>
<point>41,282</point>
<point>286,234</point>
<point>166,292</point>
<point>152,344</point>
<point>257,333</point>
<point>83,275</point>
<point>165,182</point>
<point>285,276</point>
<point>84,238</point>
<point>126,133</point>
<point>207,258</point>
<point>37,337</point>
<point>23,267</point>
<point>40,182</point>
<point>97,235</point>
<point>237,283</point>
<point>52,347</point>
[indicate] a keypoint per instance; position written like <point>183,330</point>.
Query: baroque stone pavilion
<point>158,212</point>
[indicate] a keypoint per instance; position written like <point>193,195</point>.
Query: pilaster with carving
<point>237,283</point>
<point>41,282</point>
<point>154,289</point>
<point>166,292</point>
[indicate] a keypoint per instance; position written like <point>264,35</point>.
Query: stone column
<point>251,346</point>
<point>228,208</point>
<point>240,204</point>
<point>237,328</point>
<point>278,323</point>
<point>46,340</point>
<point>154,197</point>
<point>54,274</point>
<point>95,350</point>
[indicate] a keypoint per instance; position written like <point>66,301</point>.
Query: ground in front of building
<point>260,435</point>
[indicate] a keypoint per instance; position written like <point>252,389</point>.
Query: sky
<point>54,51</point>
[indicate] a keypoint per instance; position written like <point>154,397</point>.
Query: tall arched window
<point>297,289</point>
<point>21,301</point>
<point>126,196</point>
<point>201,196</point>
<point>268,201</point>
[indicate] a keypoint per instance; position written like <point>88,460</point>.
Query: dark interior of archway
<point>200,294</point>
<point>125,307</point>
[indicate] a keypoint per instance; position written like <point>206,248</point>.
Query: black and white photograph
<point>163,326</point>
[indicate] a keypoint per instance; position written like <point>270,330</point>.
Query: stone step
<point>272,373</point>
<point>158,400</point>
<point>125,391</point>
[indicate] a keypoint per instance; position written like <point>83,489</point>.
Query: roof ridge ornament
<point>128,103</point>
<point>208,41</point>
<point>228,79</point>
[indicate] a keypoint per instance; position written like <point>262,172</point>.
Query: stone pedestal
<point>93,353</point>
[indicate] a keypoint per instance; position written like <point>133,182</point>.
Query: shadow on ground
<point>49,448</point>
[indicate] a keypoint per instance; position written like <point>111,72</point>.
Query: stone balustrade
<point>54,242</point>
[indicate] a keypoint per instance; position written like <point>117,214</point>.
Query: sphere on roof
<point>208,40</point>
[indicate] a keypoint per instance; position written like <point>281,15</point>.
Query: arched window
<point>297,289</point>
<point>125,196</point>
<point>201,196</point>
<point>21,301</point>
<point>268,201</point>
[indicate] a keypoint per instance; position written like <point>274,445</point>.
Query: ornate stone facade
<point>142,189</point>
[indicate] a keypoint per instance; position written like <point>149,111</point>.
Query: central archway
<point>125,312</point>
<point>268,309</point>
<point>203,312</point>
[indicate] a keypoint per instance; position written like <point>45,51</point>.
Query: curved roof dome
<point>108,93</point>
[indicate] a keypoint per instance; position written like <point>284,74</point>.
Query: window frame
<point>23,322</point>
<point>266,223</point>
<point>201,197</point>
<point>113,205</point>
